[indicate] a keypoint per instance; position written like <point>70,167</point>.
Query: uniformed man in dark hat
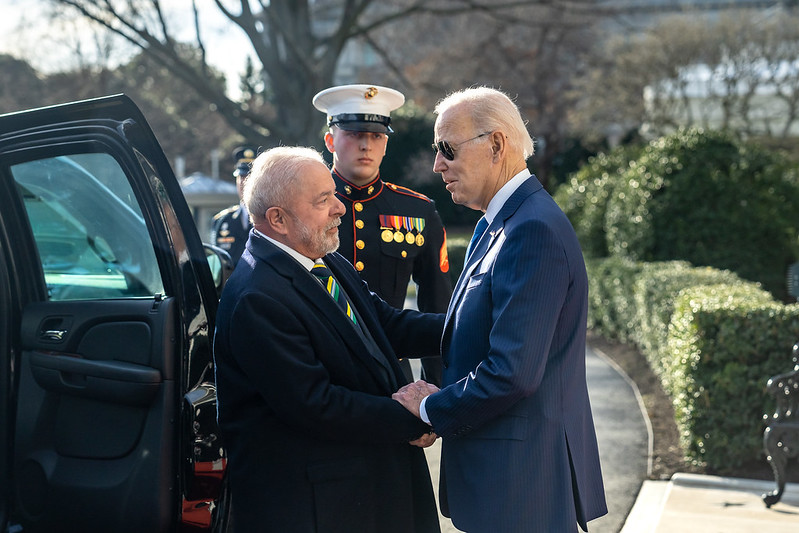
<point>231,226</point>
<point>389,233</point>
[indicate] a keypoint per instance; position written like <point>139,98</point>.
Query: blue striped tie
<point>479,229</point>
<point>326,277</point>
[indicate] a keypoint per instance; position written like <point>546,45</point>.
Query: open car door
<point>107,303</point>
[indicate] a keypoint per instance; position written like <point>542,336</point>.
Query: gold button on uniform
<point>359,224</point>
<point>359,266</point>
<point>359,244</point>
<point>358,206</point>
<point>404,253</point>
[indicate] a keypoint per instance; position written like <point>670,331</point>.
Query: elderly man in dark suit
<point>519,450</point>
<point>306,366</point>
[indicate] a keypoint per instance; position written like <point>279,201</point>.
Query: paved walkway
<point>624,438</point>
<point>690,503</point>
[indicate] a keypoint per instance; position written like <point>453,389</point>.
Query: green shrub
<point>585,194</point>
<point>724,345</point>
<point>712,338</point>
<point>611,310</point>
<point>654,294</point>
<point>707,199</point>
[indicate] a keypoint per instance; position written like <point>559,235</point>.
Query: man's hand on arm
<point>411,396</point>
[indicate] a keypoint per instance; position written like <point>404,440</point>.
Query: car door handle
<point>105,380</point>
<point>53,335</point>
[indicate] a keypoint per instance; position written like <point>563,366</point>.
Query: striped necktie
<point>321,271</point>
<point>479,229</point>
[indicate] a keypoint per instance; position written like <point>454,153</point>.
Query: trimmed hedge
<point>724,346</point>
<point>610,296</point>
<point>712,338</point>
<point>698,196</point>
<point>654,291</point>
<point>707,199</point>
<point>584,197</point>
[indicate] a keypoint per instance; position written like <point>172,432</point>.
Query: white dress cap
<point>359,107</point>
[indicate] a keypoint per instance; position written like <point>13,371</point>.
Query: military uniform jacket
<point>230,230</point>
<point>390,234</point>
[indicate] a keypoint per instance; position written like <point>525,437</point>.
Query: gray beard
<point>320,243</point>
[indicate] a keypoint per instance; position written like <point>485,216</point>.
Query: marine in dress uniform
<point>390,234</point>
<point>231,226</point>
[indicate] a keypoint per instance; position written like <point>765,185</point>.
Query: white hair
<point>492,110</point>
<point>275,176</point>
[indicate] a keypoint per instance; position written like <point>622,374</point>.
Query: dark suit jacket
<point>315,442</point>
<point>519,451</point>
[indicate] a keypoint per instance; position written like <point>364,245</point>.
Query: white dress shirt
<point>307,262</point>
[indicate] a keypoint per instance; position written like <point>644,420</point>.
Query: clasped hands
<point>411,396</point>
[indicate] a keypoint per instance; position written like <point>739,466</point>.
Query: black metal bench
<point>781,438</point>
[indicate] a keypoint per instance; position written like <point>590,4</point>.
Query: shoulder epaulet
<point>406,191</point>
<point>226,211</point>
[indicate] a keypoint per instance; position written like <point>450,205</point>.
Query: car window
<point>91,236</point>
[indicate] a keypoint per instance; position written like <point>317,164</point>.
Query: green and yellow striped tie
<point>326,277</point>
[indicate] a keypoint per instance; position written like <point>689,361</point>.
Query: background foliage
<point>724,345</point>
<point>713,340</point>
<point>699,196</point>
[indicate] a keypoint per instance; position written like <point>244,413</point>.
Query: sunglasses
<point>447,149</point>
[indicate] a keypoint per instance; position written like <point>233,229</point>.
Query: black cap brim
<point>361,122</point>
<point>372,127</point>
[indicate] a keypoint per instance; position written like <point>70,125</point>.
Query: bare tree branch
<point>298,55</point>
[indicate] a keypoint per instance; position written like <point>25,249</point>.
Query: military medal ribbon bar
<point>392,226</point>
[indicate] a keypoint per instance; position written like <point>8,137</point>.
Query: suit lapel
<point>480,250</point>
<point>528,187</point>
<point>320,303</point>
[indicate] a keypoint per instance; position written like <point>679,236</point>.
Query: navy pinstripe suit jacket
<point>519,450</point>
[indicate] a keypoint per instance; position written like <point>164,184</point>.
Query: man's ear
<point>499,144</point>
<point>276,220</point>
<point>329,142</point>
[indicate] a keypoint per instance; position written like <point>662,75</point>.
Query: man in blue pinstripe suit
<point>519,450</point>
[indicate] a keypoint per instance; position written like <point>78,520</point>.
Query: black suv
<point>107,305</point>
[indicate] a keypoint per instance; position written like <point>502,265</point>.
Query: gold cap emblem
<point>371,92</point>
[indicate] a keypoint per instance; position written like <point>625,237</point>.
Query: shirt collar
<point>504,193</point>
<point>301,259</point>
